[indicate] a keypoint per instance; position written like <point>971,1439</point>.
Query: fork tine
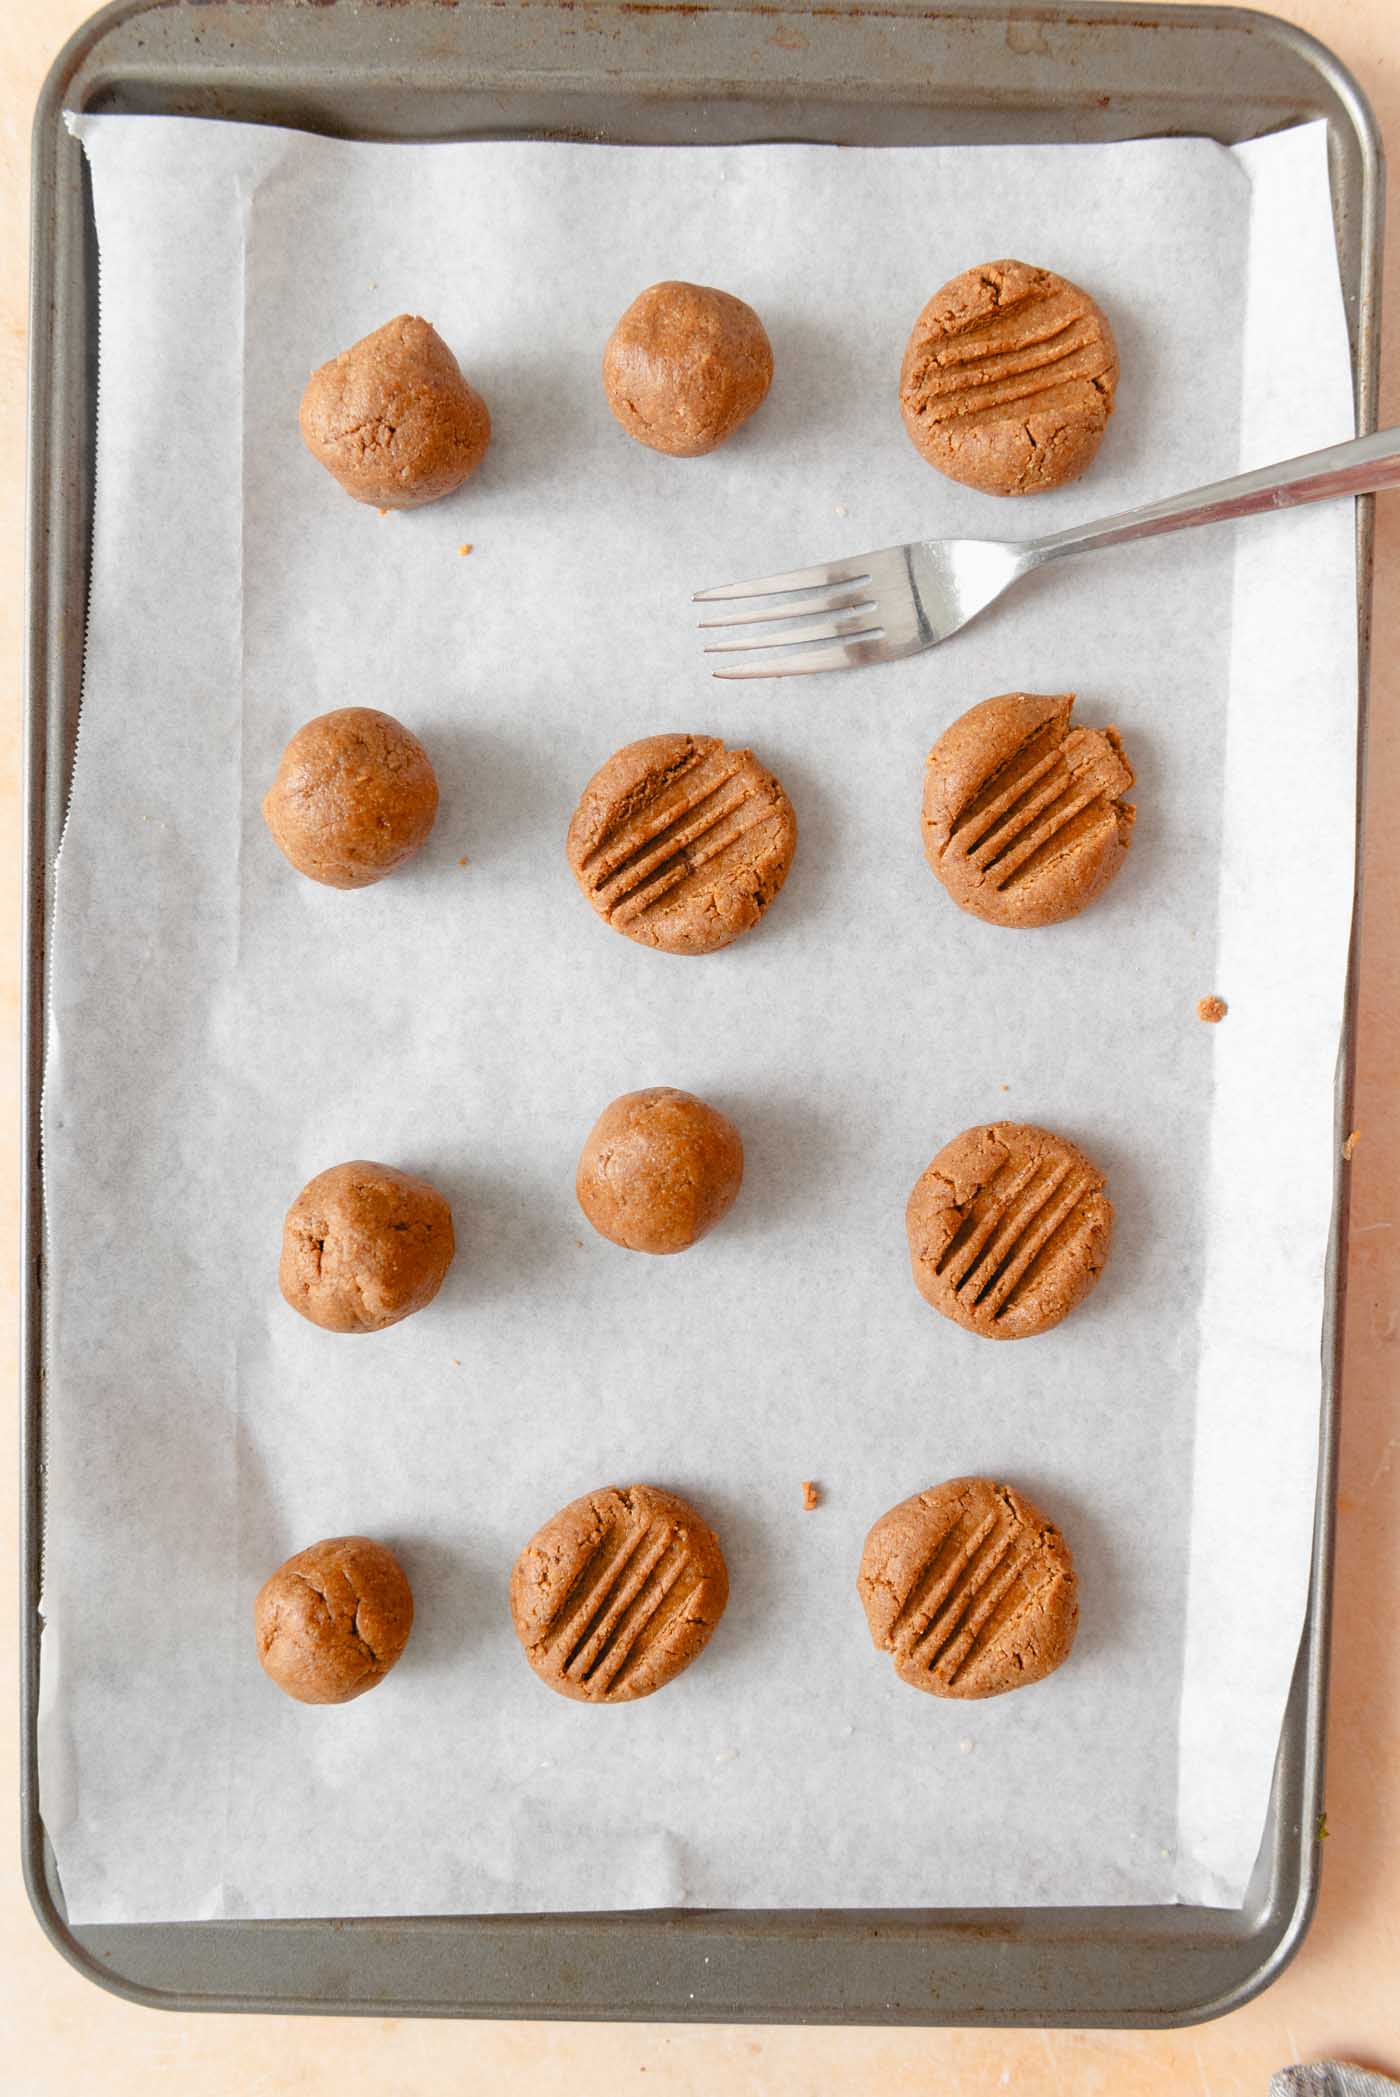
<point>837,600</point>
<point>855,626</point>
<point>856,571</point>
<point>842,655</point>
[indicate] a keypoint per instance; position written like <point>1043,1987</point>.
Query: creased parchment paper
<point>221,1030</point>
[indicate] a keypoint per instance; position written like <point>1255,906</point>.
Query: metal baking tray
<point>896,72</point>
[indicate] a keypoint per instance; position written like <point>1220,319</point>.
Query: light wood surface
<point>59,2034</point>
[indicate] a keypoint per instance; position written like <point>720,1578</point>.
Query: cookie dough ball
<point>970,1588</point>
<point>659,1170</point>
<point>1024,820</point>
<point>685,366</point>
<point>392,418</point>
<point>618,1593</point>
<point>332,1621</point>
<point>680,843</point>
<point>1008,379</point>
<point>354,797</point>
<point>1009,1229</point>
<point>363,1246</point>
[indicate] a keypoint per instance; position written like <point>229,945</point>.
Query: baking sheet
<point>221,1031</point>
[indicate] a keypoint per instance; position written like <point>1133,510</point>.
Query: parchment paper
<point>222,1030</point>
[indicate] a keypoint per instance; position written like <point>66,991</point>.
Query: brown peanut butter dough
<point>355,796</point>
<point>1008,379</point>
<point>1212,1010</point>
<point>1008,1229</point>
<point>332,1621</point>
<point>680,843</point>
<point>970,1588</point>
<point>1024,820</point>
<point>392,418</point>
<point>659,1169</point>
<point>618,1593</point>
<point>685,366</point>
<point>363,1246</point>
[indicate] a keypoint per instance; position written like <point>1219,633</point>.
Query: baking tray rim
<point>37,866</point>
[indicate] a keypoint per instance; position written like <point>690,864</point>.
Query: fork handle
<point>1358,467</point>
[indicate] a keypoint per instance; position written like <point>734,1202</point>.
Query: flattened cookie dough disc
<point>970,1588</point>
<point>332,1621</point>
<point>363,1246</point>
<point>393,420</point>
<point>1008,379</point>
<point>355,795</point>
<point>1009,1229</point>
<point>681,844</point>
<point>685,366</point>
<point>1024,820</point>
<point>660,1169</point>
<point>618,1593</point>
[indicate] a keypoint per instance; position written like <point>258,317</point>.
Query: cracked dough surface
<point>392,418</point>
<point>1024,820</point>
<point>970,1589</point>
<point>355,796</point>
<point>681,844</point>
<point>1009,1228</point>
<point>685,366</point>
<point>618,1593</point>
<point>333,1620</point>
<point>363,1246</point>
<point>660,1169</point>
<point>1009,378</point>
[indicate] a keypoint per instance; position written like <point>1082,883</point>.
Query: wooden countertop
<point>1341,1995</point>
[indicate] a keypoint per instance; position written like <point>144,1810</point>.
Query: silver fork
<point>880,606</point>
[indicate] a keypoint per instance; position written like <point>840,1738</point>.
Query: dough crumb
<point>386,513</point>
<point>466,548</point>
<point>455,1363</point>
<point>841,510</point>
<point>1212,1010</point>
<point>464,861</point>
<point>1350,1145</point>
<point>1006,1088</point>
<point>811,1497</point>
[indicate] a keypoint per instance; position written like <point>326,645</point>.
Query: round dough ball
<point>355,795</point>
<point>659,1169</point>
<point>971,1590</point>
<point>1009,1228</point>
<point>1008,379</point>
<point>363,1246</point>
<point>332,1621</point>
<point>685,366</point>
<point>618,1593</point>
<point>392,418</point>
<point>681,844</point>
<point>1024,820</point>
